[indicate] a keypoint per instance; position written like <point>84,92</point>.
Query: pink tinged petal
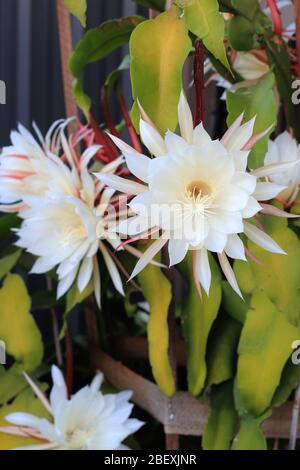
<point>121,184</point>
<point>234,247</point>
<point>88,154</point>
<point>272,210</point>
<point>200,136</point>
<point>23,419</point>
<point>85,274</point>
<point>138,254</point>
<point>229,274</point>
<point>152,139</point>
<point>97,382</point>
<point>203,269</point>
<point>253,140</point>
<point>138,165</point>
<point>112,269</point>
<point>262,239</point>
<point>97,282</point>
<point>148,255</point>
<point>274,169</point>
<point>232,129</point>
<point>40,395</point>
<point>251,208</point>
<point>177,251</point>
<point>112,166</point>
<point>266,191</point>
<point>185,119</point>
<point>145,116</point>
<point>121,144</point>
<point>133,225</point>
<point>13,430</point>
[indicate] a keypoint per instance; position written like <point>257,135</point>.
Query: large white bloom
<point>88,420</point>
<point>64,209</point>
<point>285,148</point>
<point>198,193</point>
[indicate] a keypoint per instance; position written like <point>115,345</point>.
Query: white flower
<point>285,148</point>
<point>198,193</point>
<point>88,420</point>
<point>64,209</point>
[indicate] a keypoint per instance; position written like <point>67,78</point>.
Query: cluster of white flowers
<point>89,420</point>
<point>62,205</point>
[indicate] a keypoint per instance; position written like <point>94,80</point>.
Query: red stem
<point>106,112</point>
<point>69,373</point>
<point>199,82</point>
<point>276,17</point>
<point>131,130</point>
<point>102,138</point>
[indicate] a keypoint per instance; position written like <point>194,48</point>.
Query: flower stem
<point>131,130</point>
<point>106,112</point>
<point>199,82</point>
<point>69,362</point>
<point>276,17</point>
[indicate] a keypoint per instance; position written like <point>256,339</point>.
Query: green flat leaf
<point>159,299</point>
<point>78,8</point>
<point>264,349</point>
<point>288,383</point>
<point>74,297</point>
<point>96,44</point>
<point>113,78</point>
<point>17,326</point>
<point>204,20</point>
<point>233,304</point>
<point>250,435</point>
<point>158,50</point>
<point>222,423</point>
<point>12,382</point>
<point>199,317</point>
<point>8,262</point>
<point>221,351</point>
<point>25,402</point>
<point>258,100</point>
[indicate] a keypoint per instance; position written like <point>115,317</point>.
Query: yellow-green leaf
<point>205,21</point>
<point>17,327</point>
<point>158,49</point>
<point>78,8</point>
<point>157,291</point>
<point>199,316</point>
<point>25,402</point>
<point>264,349</point>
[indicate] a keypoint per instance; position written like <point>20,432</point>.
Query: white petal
<point>203,269</point>
<point>66,282</point>
<point>96,383</point>
<point>262,239</point>
<point>177,251</point>
<point>200,136</point>
<point>273,210</point>
<point>148,255</point>
<point>121,144</point>
<point>233,128</point>
<point>152,139</point>
<point>138,165</point>
<point>234,247</point>
<point>121,184</point>
<point>23,419</point>
<point>185,119</point>
<point>251,208</point>
<point>97,282</point>
<point>273,169</point>
<point>85,274</point>
<point>229,274</point>
<point>215,241</point>
<point>265,191</point>
<point>134,225</point>
<point>112,269</point>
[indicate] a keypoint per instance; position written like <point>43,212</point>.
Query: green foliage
<point>17,326</point>
<point>221,425</point>
<point>250,435</point>
<point>258,100</point>
<point>7,223</point>
<point>203,19</point>
<point>236,307</point>
<point>8,262</point>
<point>96,44</point>
<point>156,71</point>
<point>113,78</point>
<point>158,293</point>
<point>77,8</point>
<point>264,349</point>
<point>158,5</point>
<point>199,316</point>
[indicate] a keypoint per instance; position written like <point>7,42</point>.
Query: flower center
<point>198,190</point>
<point>78,439</point>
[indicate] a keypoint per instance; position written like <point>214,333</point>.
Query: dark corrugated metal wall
<point>30,64</point>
